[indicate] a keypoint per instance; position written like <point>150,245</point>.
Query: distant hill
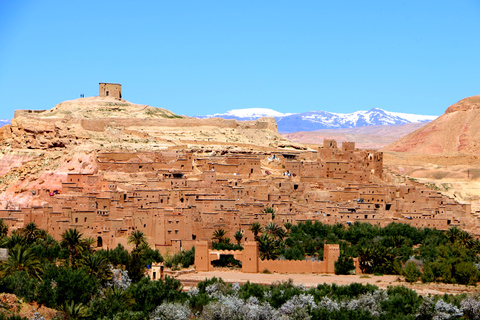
<point>456,131</point>
<point>4,122</point>
<point>315,120</point>
<point>369,137</point>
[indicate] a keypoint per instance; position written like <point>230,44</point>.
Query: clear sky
<point>204,57</point>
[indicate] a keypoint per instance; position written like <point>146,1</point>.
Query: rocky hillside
<point>105,107</point>
<point>456,131</point>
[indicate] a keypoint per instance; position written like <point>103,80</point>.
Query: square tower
<point>110,90</point>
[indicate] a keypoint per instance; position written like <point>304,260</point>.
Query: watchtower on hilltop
<point>110,90</point>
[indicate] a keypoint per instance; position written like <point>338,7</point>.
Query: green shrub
<point>466,273</point>
<point>344,265</point>
<point>427,275</point>
<point>411,272</point>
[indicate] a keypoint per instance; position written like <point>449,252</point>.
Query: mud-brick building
<point>177,197</point>
<point>113,90</point>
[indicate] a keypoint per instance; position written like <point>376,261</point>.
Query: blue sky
<point>204,57</point>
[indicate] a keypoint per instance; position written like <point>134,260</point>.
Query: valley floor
<point>312,280</point>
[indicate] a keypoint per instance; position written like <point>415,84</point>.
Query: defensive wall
<point>251,262</point>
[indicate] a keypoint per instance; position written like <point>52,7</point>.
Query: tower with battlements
<point>110,90</point>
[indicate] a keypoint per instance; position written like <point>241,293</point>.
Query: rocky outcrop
<point>467,104</point>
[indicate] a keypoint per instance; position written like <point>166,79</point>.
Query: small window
<point>106,93</point>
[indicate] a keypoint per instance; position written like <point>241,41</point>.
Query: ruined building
<point>113,90</point>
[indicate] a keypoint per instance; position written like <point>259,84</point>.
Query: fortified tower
<point>110,90</point>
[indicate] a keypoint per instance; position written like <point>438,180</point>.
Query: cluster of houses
<point>178,197</point>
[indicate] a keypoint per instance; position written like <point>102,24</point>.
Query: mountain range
<point>316,120</point>
<point>4,122</point>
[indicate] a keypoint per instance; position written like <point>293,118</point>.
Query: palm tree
<point>72,239</point>
<point>75,311</point>
<point>3,229</point>
<point>267,247</point>
<point>218,235</point>
<point>97,266</point>
<point>453,233</point>
<point>238,236</point>
<point>269,210</point>
<point>281,234</point>
<point>138,238</point>
<point>466,239</point>
<point>121,297</point>
<point>256,228</point>
<point>21,258</point>
<point>42,234</point>
<point>31,232</point>
<point>14,239</point>
<point>272,230</point>
<point>87,244</point>
<point>366,256</point>
<point>288,226</point>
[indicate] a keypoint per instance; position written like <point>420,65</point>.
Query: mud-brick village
<point>178,179</point>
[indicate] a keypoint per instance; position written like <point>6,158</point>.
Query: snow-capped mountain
<point>248,114</point>
<point>4,122</point>
<point>315,120</point>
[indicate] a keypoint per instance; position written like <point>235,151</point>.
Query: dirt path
<point>312,280</point>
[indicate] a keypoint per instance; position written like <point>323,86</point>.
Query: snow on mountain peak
<point>315,120</point>
<point>252,113</point>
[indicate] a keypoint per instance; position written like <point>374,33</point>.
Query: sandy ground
<point>312,280</point>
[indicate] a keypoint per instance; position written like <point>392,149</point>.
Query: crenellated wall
<point>251,262</point>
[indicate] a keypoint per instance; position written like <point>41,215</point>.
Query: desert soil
<point>312,280</point>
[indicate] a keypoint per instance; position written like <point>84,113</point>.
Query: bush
<point>466,273</point>
<point>227,261</point>
<point>344,265</point>
<point>149,294</point>
<point>294,253</point>
<point>226,246</point>
<point>19,284</point>
<point>183,259</point>
<point>60,285</point>
<point>411,272</point>
<point>427,275</point>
